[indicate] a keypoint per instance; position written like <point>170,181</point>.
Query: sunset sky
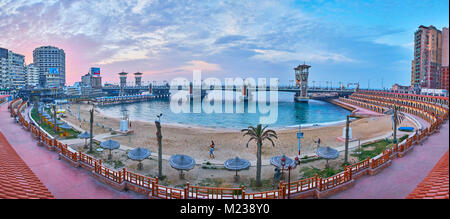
<point>345,41</point>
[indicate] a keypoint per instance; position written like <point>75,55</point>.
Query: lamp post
<point>159,137</point>
<point>91,122</point>
<point>299,136</point>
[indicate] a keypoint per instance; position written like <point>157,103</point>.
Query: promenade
<point>404,174</point>
<point>64,181</point>
<point>61,179</point>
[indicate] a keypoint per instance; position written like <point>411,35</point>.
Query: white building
<point>5,80</point>
<point>12,72</point>
<point>32,75</point>
<point>51,62</point>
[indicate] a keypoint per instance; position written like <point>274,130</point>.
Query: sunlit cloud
<point>166,38</point>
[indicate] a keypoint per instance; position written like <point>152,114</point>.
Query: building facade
<point>402,89</point>
<point>427,57</point>
<point>3,53</point>
<point>32,75</point>
<point>445,78</point>
<point>16,64</point>
<point>444,68</point>
<point>5,80</point>
<point>12,69</point>
<point>51,62</point>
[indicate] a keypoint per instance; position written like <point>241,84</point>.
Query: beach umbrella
<point>65,126</point>
<point>327,153</point>
<point>110,145</point>
<point>85,136</point>
<point>283,162</point>
<point>182,162</point>
<point>58,122</point>
<point>236,164</point>
<point>277,161</point>
<point>139,154</point>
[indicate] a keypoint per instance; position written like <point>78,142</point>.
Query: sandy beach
<point>194,141</point>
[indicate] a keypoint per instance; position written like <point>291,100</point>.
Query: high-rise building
<point>5,80</point>
<point>16,69</point>
<point>445,46</point>
<point>412,73</point>
<point>427,57</point>
<point>3,53</point>
<point>444,68</point>
<point>51,62</point>
<point>445,77</point>
<point>32,75</point>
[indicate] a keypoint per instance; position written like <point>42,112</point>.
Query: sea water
<point>290,114</point>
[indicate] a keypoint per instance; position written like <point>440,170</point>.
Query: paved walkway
<point>61,179</point>
<point>404,174</point>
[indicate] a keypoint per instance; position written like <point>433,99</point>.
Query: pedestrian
<point>317,142</point>
<point>211,153</point>
<point>211,150</point>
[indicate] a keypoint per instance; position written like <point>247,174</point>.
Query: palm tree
<point>397,118</point>
<point>259,135</point>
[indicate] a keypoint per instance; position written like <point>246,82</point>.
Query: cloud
<point>168,37</point>
<point>229,39</point>
<point>274,56</point>
<point>200,65</point>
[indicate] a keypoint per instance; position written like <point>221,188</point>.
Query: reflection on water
<point>289,114</point>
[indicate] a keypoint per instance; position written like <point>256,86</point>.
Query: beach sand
<point>195,141</point>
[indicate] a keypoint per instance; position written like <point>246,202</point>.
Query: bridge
<point>315,92</point>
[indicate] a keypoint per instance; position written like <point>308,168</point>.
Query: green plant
<point>259,135</point>
<point>309,172</point>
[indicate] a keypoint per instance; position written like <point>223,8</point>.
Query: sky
<point>370,42</point>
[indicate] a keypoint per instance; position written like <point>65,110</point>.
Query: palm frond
<point>269,139</point>
<point>251,139</point>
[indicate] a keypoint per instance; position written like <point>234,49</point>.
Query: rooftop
<point>436,183</point>
<point>16,178</point>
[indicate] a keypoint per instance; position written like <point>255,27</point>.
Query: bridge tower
<point>301,78</point>
<point>123,82</point>
<point>138,79</point>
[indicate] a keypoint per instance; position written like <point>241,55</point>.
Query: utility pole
<point>159,137</point>
<point>54,117</point>
<point>346,139</point>
<point>394,118</point>
<point>91,121</point>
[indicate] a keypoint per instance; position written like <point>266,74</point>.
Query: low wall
<point>314,187</point>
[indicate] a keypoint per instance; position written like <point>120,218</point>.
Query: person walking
<point>211,150</point>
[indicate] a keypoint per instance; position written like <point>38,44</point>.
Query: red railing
<point>275,194</point>
<point>88,159</point>
<point>199,192</point>
<point>334,181</point>
<point>300,185</point>
<point>379,161</point>
<point>140,180</point>
<point>116,176</point>
<point>357,167</point>
<point>166,192</point>
<point>424,111</point>
<point>71,155</point>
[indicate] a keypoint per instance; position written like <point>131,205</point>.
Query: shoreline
<point>194,140</point>
<point>307,126</point>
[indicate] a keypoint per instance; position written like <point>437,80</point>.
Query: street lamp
<point>283,163</point>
